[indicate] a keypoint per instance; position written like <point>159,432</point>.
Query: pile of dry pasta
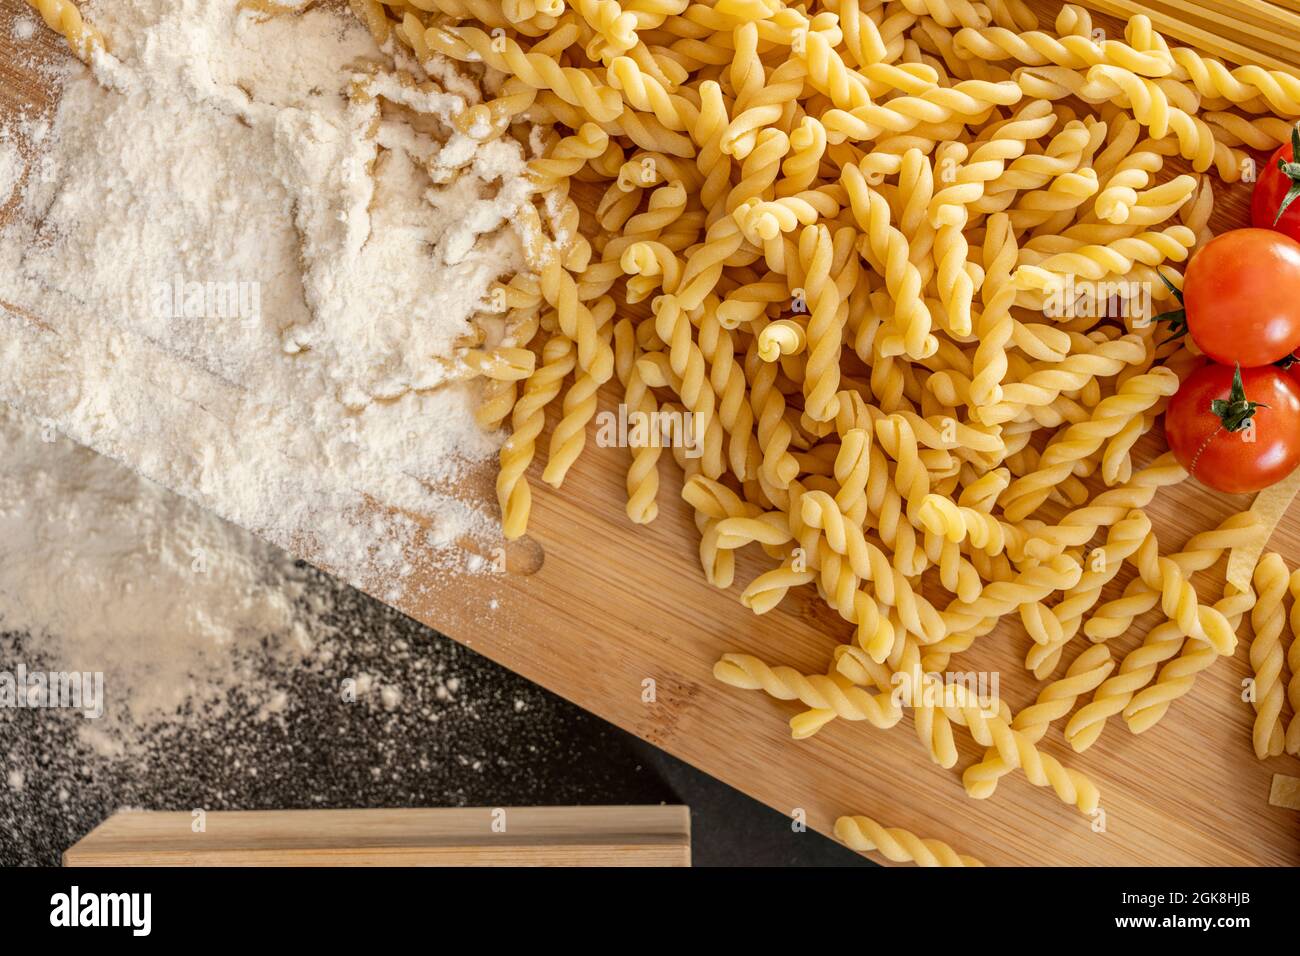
<point>902,260</point>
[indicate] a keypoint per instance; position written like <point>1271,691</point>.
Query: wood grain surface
<point>450,836</point>
<point>593,607</point>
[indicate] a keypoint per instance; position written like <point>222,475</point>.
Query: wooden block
<point>453,836</point>
<point>1285,792</point>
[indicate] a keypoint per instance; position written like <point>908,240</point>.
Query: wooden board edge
<point>647,835</point>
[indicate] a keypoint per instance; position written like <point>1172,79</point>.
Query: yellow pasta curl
<point>1293,662</point>
<point>528,418</point>
<point>643,474</point>
<point>887,250</point>
<point>825,323</point>
<point>968,99</point>
<point>570,434</point>
<point>615,29</point>
<point>1090,360</point>
<point>1029,586</point>
<point>815,690</point>
<point>573,85</point>
<point>1268,617</point>
<point>901,846</point>
<point>1015,749</point>
<point>63,17</point>
<point>1038,48</point>
<point>1095,261</point>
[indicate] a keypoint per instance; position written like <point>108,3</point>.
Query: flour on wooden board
<point>24,28</point>
<point>228,272</point>
<point>10,166</point>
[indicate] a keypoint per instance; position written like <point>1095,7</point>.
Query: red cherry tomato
<point>1273,189</point>
<point>1241,293</point>
<point>1236,441</point>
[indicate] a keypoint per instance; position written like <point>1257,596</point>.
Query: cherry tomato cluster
<point>1235,422</point>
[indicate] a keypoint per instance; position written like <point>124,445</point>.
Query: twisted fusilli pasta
<point>901,846</point>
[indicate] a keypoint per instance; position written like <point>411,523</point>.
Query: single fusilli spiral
<point>966,100</point>
<point>995,324</point>
<point>901,846</point>
<point>686,358</point>
<point>63,17</point>
<point>573,85</point>
<point>1096,262</point>
<point>615,28</point>
<point>570,434</point>
<point>1243,85</point>
<point>727,378</point>
<point>567,156</point>
<point>1038,48</point>
<point>768,589</point>
<point>999,597</point>
<point>528,418</point>
<point>825,323</point>
<point>1078,527</point>
<point>1090,360</point>
<point>815,690</point>
<point>1268,617</point>
<point>643,473</point>
<point>1293,662</point>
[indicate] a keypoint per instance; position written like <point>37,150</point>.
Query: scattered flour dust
<point>24,28</point>
<point>10,167</point>
<point>244,251</point>
<point>234,677</point>
<point>109,573</point>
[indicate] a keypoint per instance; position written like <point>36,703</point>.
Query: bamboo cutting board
<point>619,620</point>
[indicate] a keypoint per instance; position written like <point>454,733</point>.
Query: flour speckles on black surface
<point>459,731</point>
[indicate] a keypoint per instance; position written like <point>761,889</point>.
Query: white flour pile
<point>109,573</point>
<point>202,277</point>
